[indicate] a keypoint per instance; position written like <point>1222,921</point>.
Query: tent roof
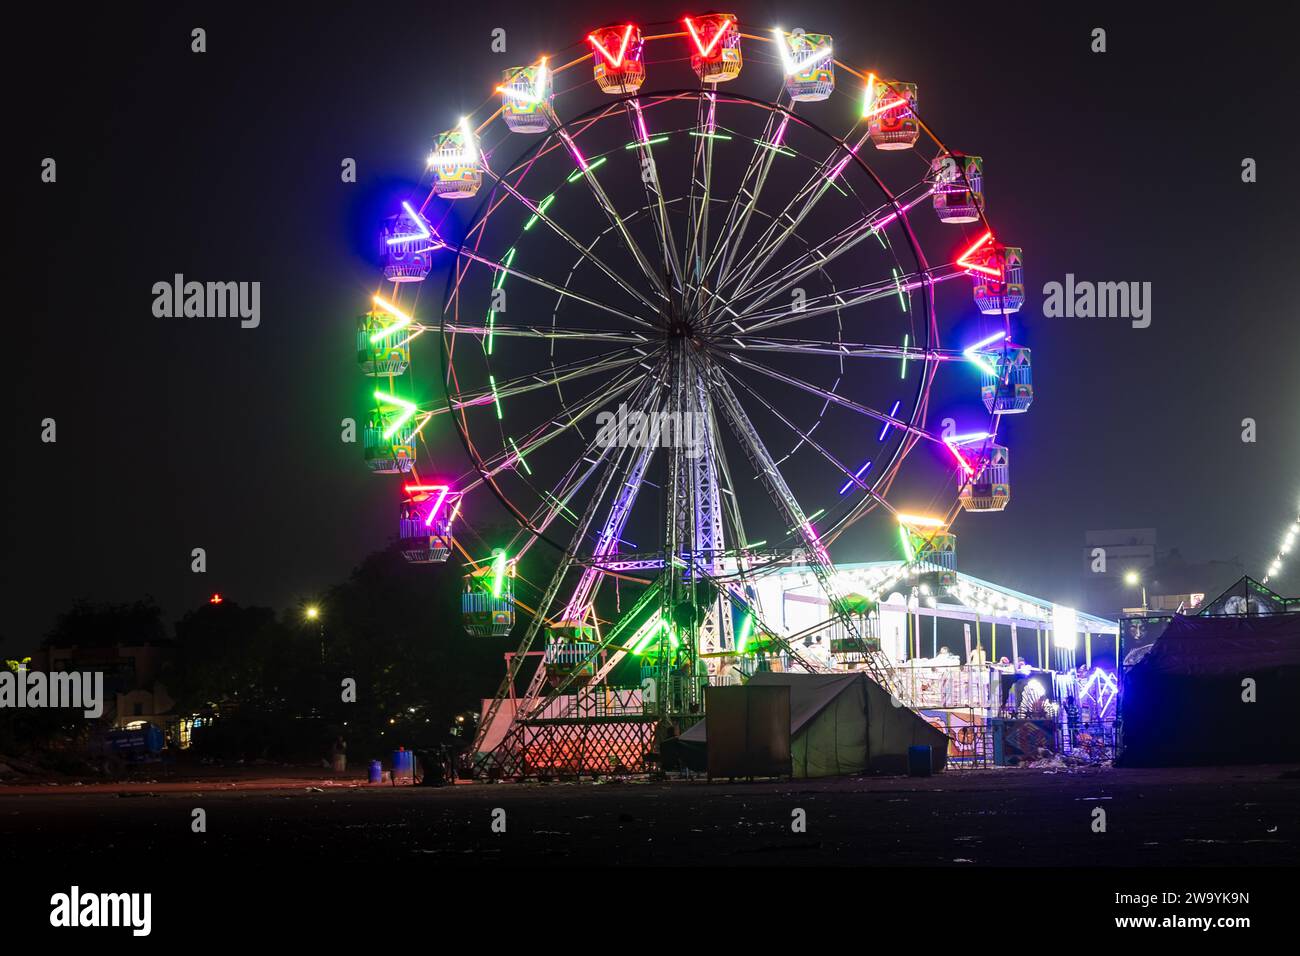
<point>1217,646</point>
<point>809,695</point>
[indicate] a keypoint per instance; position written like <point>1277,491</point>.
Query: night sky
<point>183,433</point>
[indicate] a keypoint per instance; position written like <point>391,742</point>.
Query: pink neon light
<point>960,460</point>
<point>707,50</point>
<point>963,260</point>
<point>442,490</point>
<point>614,61</point>
<point>780,133</point>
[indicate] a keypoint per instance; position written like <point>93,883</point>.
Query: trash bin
<point>919,761</point>
<point>376,771</point>
<point>403,766</point>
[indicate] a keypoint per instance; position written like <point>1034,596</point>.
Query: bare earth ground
<point>1214,816</point>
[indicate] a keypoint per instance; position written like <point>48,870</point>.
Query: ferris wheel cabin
<point>989,489</point>
<point>424,526</point>
<point>526,96</point>
<point>455,162</point>
<point>891,115</point>
<point>809,63</point>
<point>387,450</point>
<point>487,606</point>
<point>618,57</point>
<point>715,46</point>
<point>1000,284</point>
<point>381,349</point>
<point>1009,388</point>
<point>958,187</point>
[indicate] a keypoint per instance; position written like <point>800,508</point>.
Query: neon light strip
<point>707,50</point>
<point>788,63</point>
<point>614,61</point>
<point>710,135</point>
<point>921,521</point>
<point>539,84</point>
<point>978,361</point>
<point>586,167</point>
<point>403,320</point>
<point>498,572</point>
<point>899,286</point>
<point>541,209</point>
<point>888,425</point>
<point>963,260</point>
<point>420,224</point>
<point>519,456</point>
<point>907,544</point>
<point>649,142</point>
<point>408,411</point>
<point>856,475</point>
<point>496,400</point>
<point>903,371</point>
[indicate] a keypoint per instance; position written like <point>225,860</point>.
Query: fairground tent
<point>1215,690</point>
<point>839,724</point>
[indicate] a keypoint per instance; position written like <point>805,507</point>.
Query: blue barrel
<point>919,761</point>
<point>403,763</point>
<point>376,771</point>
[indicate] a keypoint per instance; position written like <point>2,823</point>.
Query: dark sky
<point>183,433</point>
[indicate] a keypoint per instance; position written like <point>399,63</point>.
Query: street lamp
<point>312,612</point>
<point>1133,579</point>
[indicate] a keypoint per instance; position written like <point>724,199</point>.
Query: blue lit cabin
<point>394,454</point>
<point>455,161</point>
<point>570,650</point>
<point>618,58</point>
<point>891,111</point>
<point>487,605</point>
<point>813,60</point>
<point>958,187</point>
<point>1004,291</point>
<point>1009,388</point>
<point>408,256</point>
<point>715,47</point>
<point>380,352</point>
<point>989,489</point>
<point>424,541</point>
<point>526,96</point>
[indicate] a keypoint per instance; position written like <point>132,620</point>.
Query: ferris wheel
<point>693,321</point>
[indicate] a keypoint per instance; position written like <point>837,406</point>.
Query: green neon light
<point>908,550</point>
<point>899,286</point>
<point>408,409</point>
<point>774,148</point>
<point>903,372</point>
<point>519,455</point>
<point>756,544</point>
<point>384,333</point>
<point>498,572</point>
<point>709,135</point>
<point>650,142</point>
<point>496,399</point>
<point>541,209</point>
<point>746,626</point>
<point>577,173</point>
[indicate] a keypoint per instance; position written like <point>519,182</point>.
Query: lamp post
<point>1133,579</point>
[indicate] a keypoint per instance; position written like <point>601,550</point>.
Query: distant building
<point>1125,573</point>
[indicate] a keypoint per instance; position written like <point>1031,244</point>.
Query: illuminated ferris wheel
<point>690,331</point>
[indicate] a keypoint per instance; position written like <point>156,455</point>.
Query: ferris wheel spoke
<point>546,332</point>
<point>551,286</point>
<point>560,422</point>
<point>804,436</point>
<point>817,258</point>
<point>521,385</point>
<point>760,164</point>
<point>602,200</point>
<point>894,353</point>
<point>831,396</point>
<point>701,181</point>
<point>583,251</point>
<point>805,200</point>
<point>654,196</point>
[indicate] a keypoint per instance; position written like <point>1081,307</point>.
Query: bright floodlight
<point>313,612</point>
<point>1131,578</point>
